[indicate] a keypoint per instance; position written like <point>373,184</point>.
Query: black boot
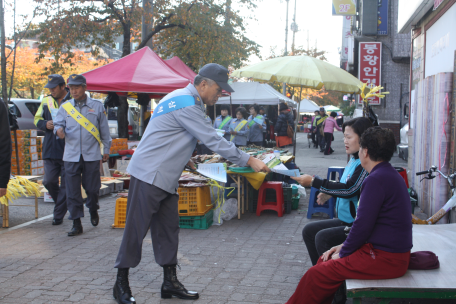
<point>77,228</point>
<point>341,295</point>
<point>121,290</point>
<point>94,218</point>
<point>172,287</point>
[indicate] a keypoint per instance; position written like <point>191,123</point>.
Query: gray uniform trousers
<point>87,172</point>
<point>149,207</point>
<point>53,168</point>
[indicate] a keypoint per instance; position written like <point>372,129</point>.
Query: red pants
<point>320,282</point>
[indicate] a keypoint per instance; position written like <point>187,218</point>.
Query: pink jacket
<point>330,123</point>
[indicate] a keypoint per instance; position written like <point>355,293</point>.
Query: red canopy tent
<point>177,64</point>
<point>140,72</point>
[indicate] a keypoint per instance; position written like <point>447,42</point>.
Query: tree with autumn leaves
<point>30,76</point>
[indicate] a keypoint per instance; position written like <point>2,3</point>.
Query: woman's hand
<point>332,253</point>
<point>303,180</point>
<point>323,198</point>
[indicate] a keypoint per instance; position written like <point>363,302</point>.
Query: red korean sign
<point>369,66</point>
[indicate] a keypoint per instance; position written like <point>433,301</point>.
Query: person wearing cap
<point>53,147</point>
<point>155,168</point>
<point>319,131</point>
<point>222,122</point>
<point>200,147</point>
<point>82,122</point>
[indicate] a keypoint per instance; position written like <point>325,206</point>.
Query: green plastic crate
<point>295,202</point>
<point>197,222</point>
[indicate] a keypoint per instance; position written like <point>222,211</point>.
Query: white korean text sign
<point>369,66</point>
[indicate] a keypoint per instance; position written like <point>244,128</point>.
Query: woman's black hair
<point>333,114</point>
<point>225,107</point>
<point>243,112</point>
<point>359,125</point>
<point>379,142</point>
<point>256,107</point>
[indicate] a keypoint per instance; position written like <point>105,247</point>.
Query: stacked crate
<point>27,159</point>
<point>118,144</point>
<point>195,207</point>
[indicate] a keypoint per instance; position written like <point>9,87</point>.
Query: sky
<point>314,20</point>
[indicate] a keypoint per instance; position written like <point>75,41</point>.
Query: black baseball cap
<point>322,109</point>
<point>54,80</point>
<point>218,73</point>
<point>76,80</point>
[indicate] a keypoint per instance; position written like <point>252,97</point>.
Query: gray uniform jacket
<point>255,133</point>
<point>170,139</point>
<point>241,137</point>
<point>210,121</point>
<point>218,121</point>
<point>79,141</point>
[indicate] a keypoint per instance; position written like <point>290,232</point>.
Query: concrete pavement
<point>252,260</point>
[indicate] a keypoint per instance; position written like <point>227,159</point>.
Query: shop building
<point>374,51</point>
<point>432,25</point>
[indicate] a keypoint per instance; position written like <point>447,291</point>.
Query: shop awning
<point>177,64</point>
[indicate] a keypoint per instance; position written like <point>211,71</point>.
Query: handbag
<point>289,131</point>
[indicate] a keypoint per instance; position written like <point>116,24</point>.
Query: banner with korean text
<point>343,7</point>
<point>369,66</point>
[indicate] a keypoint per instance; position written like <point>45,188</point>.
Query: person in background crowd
<point>266,122</point>
<point>320,236</point>
<point>238,128</point>
<point>155,169</point>
<point>329,124</point>
<point>379,242</point>
<point>53,146</point>
<point>284,120</point>
<point>5,148</point>
<point>222,122</point>
<point>82,122</point>
<point>320,134</point>
<point>313,129</point>
<point>200,147</point>
<point>256,125</point>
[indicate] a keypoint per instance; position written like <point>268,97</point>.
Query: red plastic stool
<point>402,172</point>
<point>278,205</point>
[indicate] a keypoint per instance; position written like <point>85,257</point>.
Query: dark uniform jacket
<point>5,147</point>
<point>52,146</point>
<point>281,124</point>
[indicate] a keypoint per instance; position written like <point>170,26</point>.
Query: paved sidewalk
<point>252,260</point>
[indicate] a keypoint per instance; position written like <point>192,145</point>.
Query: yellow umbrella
<point>302,71</point>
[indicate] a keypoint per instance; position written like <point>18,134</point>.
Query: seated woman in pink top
<point>329,125</point>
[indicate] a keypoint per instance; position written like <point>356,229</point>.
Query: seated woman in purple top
<point>379,242</point>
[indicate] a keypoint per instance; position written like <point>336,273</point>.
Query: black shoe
<point>77,228</point>
<point>172,287</point>
<point>121,290</point>
<point>94,218</point>
<point>322,150</point>
<point>340,297</point>
<point>57,221</point>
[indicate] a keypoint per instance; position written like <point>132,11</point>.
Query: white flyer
<point>214,171</point>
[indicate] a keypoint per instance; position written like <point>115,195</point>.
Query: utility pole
<point>3,55</point>
<point>284,86</point>
<point>294,29</point>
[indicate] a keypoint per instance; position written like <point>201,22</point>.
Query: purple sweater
<point>384,216</point>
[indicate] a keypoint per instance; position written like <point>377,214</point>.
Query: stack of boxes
<point>27,159</point>
<point>118,144</point>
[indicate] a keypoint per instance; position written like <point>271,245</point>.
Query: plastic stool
<point>332,173</point>
<point>402,172</point>
<point>327,207</point>
<point>278,205</point>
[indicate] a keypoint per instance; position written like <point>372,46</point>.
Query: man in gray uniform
<point>166,147</point>
<point>82,122</point>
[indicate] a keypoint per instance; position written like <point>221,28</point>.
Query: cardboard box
<point>34,171</point>
<point>34,164</point>
<point>34,156</point>
<point>41,171</point>
<point>47,198</point>
<point>40,163</point>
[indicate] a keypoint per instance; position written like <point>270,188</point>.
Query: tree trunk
<point>3,55</point>
<point>122,117</point>
<point>32,92</point>
<point>122,111</point>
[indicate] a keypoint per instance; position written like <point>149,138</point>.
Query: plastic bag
<point>301,190</point>
<point>227,211</point>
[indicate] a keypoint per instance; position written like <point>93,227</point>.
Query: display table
<point>4,212</point>
<point>417,284</point>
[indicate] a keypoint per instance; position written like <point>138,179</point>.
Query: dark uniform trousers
<point>54,168</point>
<point>149,207</point>
<point>87,172</point>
